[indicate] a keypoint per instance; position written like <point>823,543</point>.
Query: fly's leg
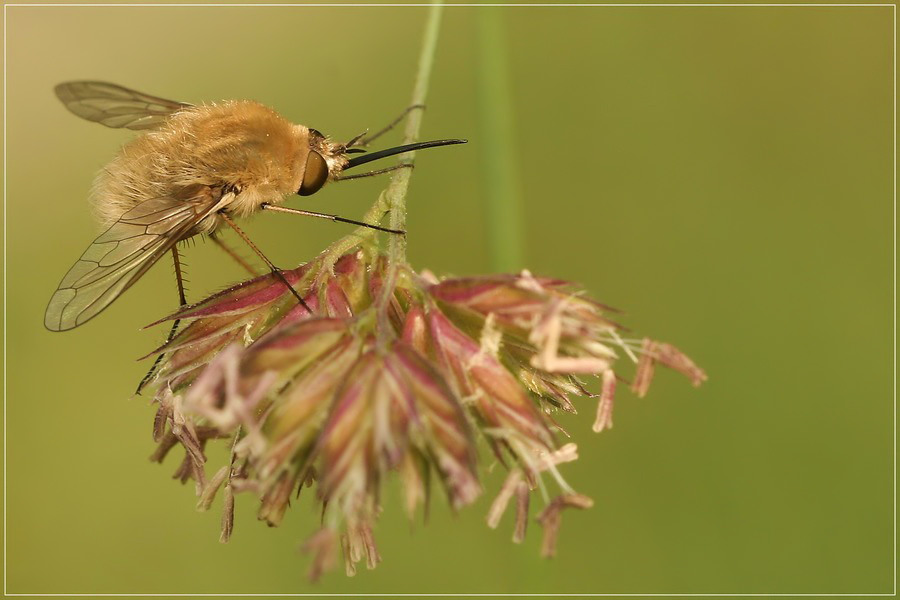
<point>232,253</point>
<point>179,281</point>
<point>376,172</point>
<point>275,270</point>
<point>364,140</point>
<point>308,213</point>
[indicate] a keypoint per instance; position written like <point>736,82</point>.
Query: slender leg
<point>371,173</point>
<point>275,270</point>
<point>179,280</point>
<point>179,277</point>
<point>307,213</point>
<point>364,140</point>
<point>230,252</point>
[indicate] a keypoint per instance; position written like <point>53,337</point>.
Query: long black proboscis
<point>361,160</point>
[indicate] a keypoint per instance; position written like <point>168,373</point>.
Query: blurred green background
<point>722,174</point>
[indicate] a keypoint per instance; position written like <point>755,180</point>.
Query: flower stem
<point>397,188</point>
<point>393,199</point>
<point>395,194</point>
<point>360,236</point>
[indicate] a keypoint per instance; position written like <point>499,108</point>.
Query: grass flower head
<point>375,382</point>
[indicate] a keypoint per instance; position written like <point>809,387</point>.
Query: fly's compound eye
<point>315,176</point>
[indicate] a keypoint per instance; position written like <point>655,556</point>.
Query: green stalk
<point>395,194</point>
<point>359,237</point>
<point>396,190</point>
<point>499,176</point>
<point>393,198</point>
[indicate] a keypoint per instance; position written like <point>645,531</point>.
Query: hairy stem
<point>393,199</point>
<point>396,190</point>
<point>360,235</point>
<point>395,194</point>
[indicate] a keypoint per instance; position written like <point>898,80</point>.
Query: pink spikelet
<point>368,384</point>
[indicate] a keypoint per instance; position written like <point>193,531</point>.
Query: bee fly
<point>195,169</point>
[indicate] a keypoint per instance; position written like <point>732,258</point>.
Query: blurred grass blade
<point>499,175</point>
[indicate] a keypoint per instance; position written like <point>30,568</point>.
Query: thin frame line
<point>894,312</point>
<point>463,595</point>
<point>5,320</point>
<point>414,5</point>
<point>464,5</point>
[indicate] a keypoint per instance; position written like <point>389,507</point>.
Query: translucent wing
<point>120,256</point>
<point>115,106</point>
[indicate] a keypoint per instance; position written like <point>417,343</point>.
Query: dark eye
<point>316,174</point>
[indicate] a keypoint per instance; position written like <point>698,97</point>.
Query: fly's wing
<point>115,106</point>
<point>120,256</point>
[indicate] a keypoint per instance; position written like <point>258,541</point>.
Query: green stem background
<point>499,175</point>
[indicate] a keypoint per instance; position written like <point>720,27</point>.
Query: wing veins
<point>90,286</point>
<point>116,106</point>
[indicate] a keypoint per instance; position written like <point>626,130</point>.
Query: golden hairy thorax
<point>233,146</point>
